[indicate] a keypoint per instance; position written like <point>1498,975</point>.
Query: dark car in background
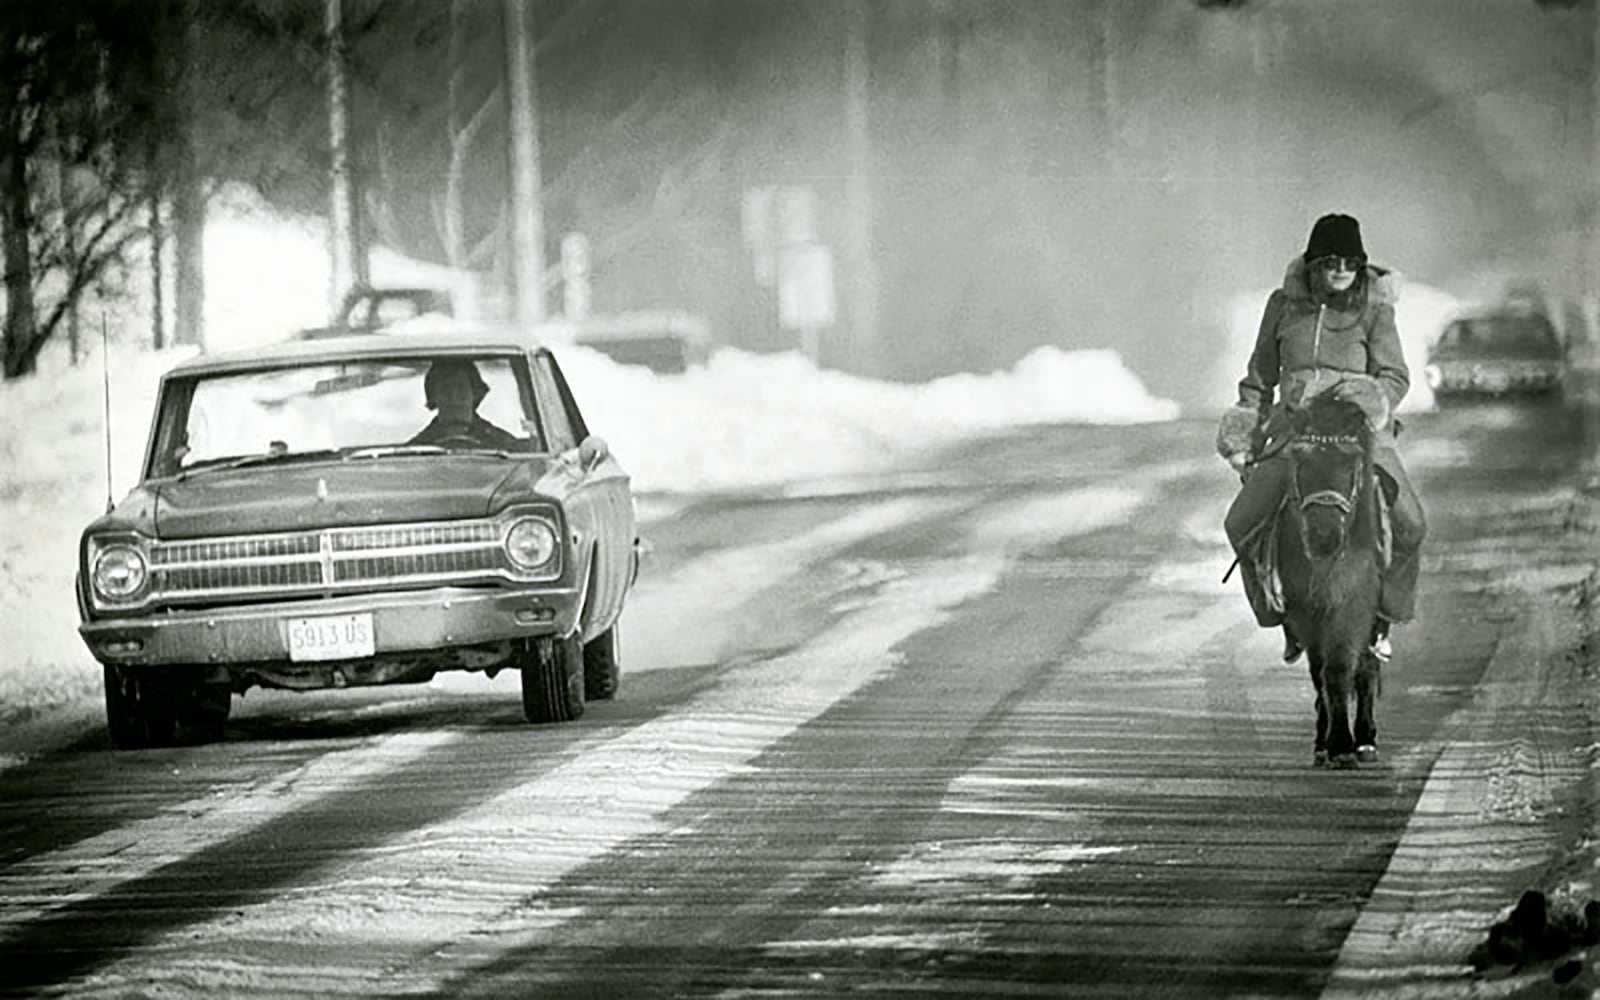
<point>1496,355</point>
<point>366,310</point>
<point>359,510</point>
<point>663,340</point>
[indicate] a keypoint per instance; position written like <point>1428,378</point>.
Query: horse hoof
<point>1319,759</point>
<point>1343,761</point>
<point>1367,753</point>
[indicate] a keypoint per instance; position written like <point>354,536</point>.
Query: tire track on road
<point>405,907</point>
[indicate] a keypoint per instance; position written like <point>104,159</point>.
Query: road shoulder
<point>1508,806</point>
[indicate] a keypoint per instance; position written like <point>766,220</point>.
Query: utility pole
<point>527,218</point>
<point>1586,365</point>
<point>1590,284</point>
<point>344,238</point>
<point>188,200</point>
<point>863,268</point>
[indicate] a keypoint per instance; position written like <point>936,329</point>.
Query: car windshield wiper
<point>384,451</point>
<point>262,458</point>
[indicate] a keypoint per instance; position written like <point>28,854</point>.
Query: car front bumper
<point>411,622</point>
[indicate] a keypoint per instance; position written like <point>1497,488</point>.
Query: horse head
<point>1331,454</point>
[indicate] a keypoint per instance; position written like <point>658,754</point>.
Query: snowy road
<point>992,728</point>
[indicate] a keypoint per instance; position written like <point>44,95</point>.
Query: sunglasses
<point>1335,263</point>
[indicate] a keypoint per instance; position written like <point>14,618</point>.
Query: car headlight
<point>119,572</point>
<point>1432,374</point>
<point>530,542</point>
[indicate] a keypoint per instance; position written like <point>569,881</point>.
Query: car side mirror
<point>592,452</point>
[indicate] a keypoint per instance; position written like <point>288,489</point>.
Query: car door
<point>601,493</point>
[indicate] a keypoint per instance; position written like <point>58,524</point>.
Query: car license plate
<point>332,637</point>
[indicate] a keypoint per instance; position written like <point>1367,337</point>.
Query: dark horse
<point>1330,562</point>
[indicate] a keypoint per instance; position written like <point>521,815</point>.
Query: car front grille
<point>334,560</point>
<point>1501,377</point>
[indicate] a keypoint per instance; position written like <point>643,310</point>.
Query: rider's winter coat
<point>1305,347</point>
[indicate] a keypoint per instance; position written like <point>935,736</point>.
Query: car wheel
<point>141,707</point>
<point>552,679</point>
<point>601,667</point>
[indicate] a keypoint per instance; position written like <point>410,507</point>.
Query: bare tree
<point>69,178</point>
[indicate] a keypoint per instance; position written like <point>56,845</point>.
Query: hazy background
<point>1078,173</point>
<point>987,177</point>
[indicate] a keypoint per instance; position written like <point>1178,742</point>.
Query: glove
<point>1236,434</point>
<point>1365,392</point>
<point>1239,461</point>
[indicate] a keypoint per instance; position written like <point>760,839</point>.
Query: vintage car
<point>1495,354</point>
<point>362,510</point>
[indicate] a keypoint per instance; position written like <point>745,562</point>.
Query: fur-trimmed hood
<point>1383,284</point>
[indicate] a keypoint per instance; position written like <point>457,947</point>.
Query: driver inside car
<point>454,388</point>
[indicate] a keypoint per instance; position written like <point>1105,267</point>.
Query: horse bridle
<point>1345,502</point>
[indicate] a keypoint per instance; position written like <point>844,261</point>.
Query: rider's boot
<point>1381,647</point>
<point>1291,645</point>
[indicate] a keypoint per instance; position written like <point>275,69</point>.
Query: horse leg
<point>1336,691</point>
<point>1319,756</point>
<point>1368,680</point>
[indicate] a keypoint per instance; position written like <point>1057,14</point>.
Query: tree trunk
<point>67,196</point>
<point>21,334</point>
<point>455,240</point>
<point>158,303</point>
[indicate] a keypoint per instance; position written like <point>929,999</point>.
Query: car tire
<point>141,707</point>
<point>552,679</point>
<point>602,670</point>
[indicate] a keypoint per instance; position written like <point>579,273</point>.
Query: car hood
<point>330,494</point>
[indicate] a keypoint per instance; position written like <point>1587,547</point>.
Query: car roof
<point>1497,313</point>
<point>484,340</point>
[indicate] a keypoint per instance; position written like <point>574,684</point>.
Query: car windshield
<point>1521,337</point>
<point>346,410</point>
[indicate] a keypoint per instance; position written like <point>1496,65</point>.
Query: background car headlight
<point>1433,375</point>
<point>119,572</point>
<point>531,542</point>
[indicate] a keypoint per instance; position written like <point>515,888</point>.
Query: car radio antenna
<point>105,368</point>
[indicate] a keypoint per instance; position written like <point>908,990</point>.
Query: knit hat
<point>1335,235</point>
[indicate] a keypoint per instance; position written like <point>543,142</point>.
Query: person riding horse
<point>1329,329</point>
